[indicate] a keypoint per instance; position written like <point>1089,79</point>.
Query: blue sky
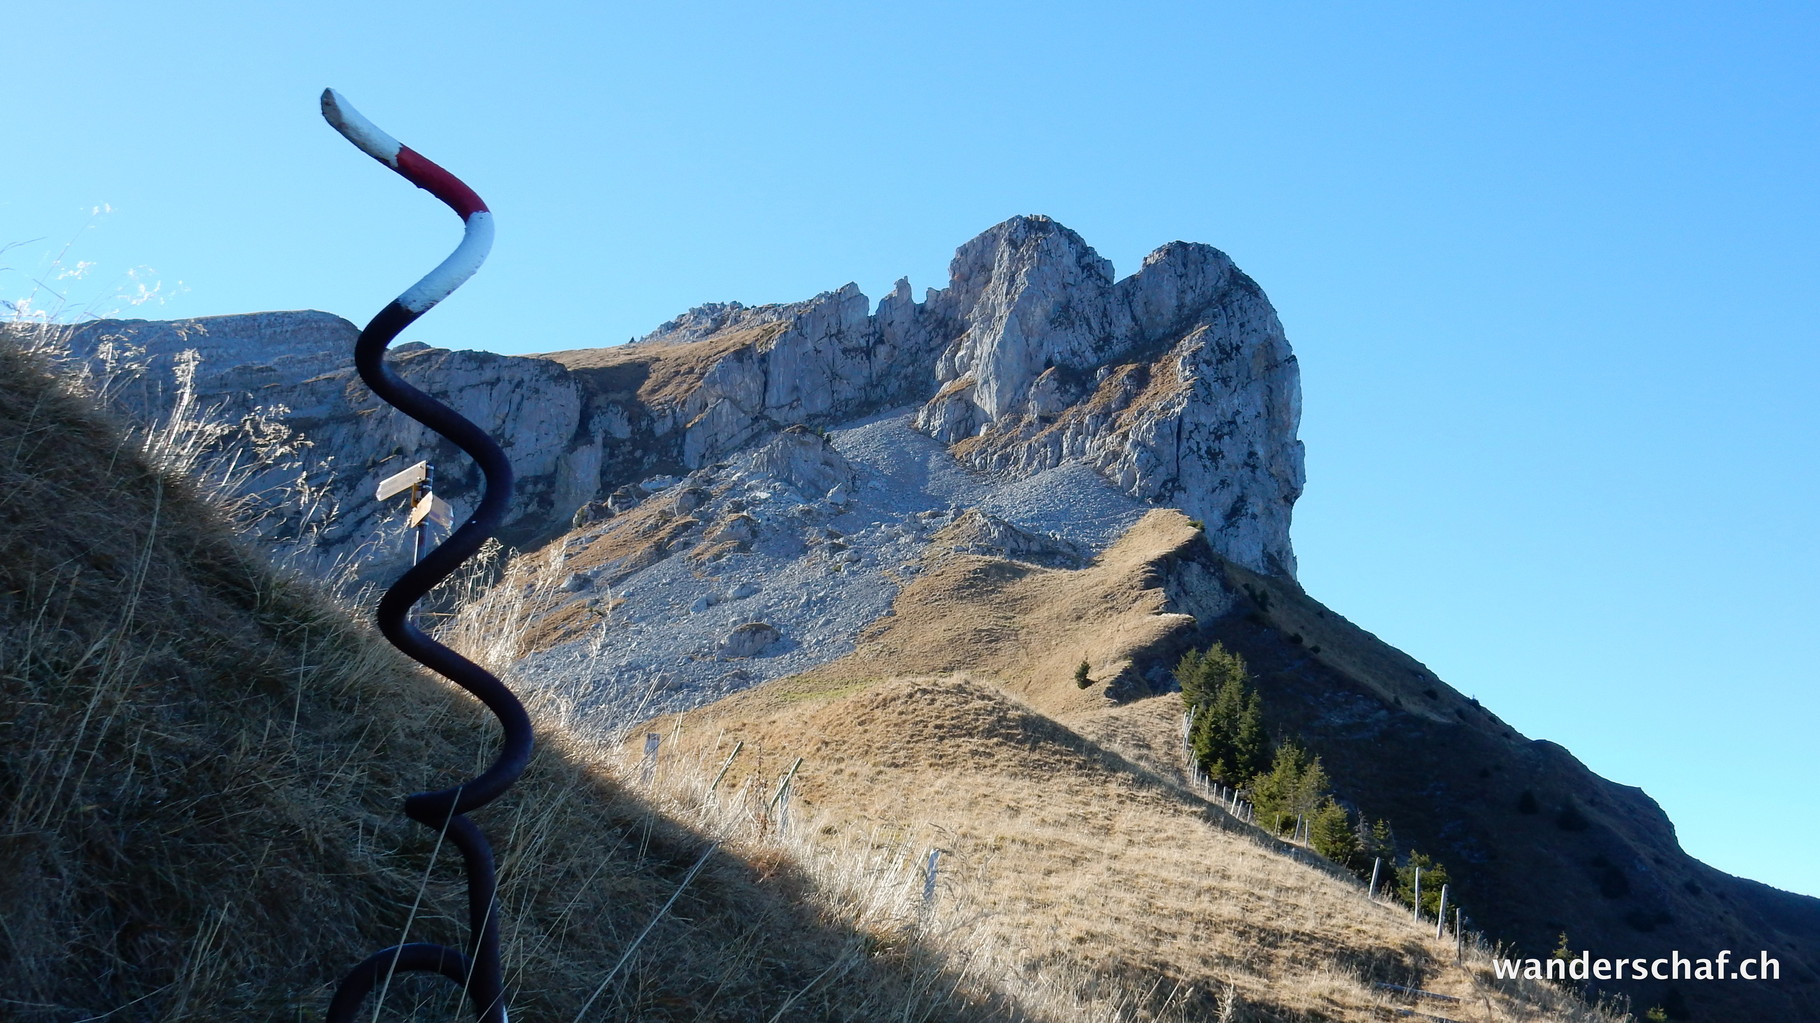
<point>1548,268</point>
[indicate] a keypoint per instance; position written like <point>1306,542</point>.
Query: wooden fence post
<point>781,800</point>
<point>723,767</point>
<point>649,768</point>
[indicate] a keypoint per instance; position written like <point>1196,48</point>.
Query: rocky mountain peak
<point>1031,294</point>
<point>1177,382</point>
<point>1175,385</point>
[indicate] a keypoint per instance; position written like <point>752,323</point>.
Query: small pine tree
<point>1211,751</point>
<point>1081,679</point>
<point>1188,676</point>
<point>1237,707</point>
<point>1434,875</point>
<point>1563,951</point>
<point>1331,833</point>
<point>1310,788</point>
<point>1282,794</point>
<point>1375,840</point>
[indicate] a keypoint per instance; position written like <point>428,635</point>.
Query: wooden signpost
<point>426,507</point>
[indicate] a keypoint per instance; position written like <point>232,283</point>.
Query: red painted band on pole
<point>425,174</point>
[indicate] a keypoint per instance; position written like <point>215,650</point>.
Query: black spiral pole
<point>476,967</point>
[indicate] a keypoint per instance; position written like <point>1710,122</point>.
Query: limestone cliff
<point>285,380</point>
<point>1176,384</point>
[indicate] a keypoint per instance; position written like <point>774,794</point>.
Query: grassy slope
<point>199,776</point>
<point>1586,856</point>
<point>1066,835</point>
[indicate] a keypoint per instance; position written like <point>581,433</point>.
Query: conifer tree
<point>1374,839</point>
<point>1331,833</point>
<point>1274,794</point>
<point>1188,676</point>
<point>1563,951</point>
<point>1434,875</point>
<point>1310,788</point>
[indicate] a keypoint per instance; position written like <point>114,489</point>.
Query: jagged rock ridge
<point>1175,383</point>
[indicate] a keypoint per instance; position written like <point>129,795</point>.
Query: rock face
<point>286,379</point>
<point>805,460</point>
<point>976,532</point>
<point>1176,384</point>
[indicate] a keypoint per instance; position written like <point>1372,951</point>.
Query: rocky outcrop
<point>288,376</point>
<point>749,640</point>
<point>1176,384</point>
<point>805,460</point>
<point>976,532</point>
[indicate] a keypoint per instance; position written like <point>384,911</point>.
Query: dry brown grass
<point>663,374</point>
<point>1087,884</point>
<point>1026,627</point>
<point>636,540</point>
<point>526,605</point>
<point>1076,850</point>
<point>200,771</point>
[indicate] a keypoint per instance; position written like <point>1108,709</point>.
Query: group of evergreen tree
<point>1227,736</point>
<point>1292,790</point>
<point>1287,784</point>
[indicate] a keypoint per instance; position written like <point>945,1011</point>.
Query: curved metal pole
<point>477,966</point>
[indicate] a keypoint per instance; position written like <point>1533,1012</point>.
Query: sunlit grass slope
<point>1066,835</point>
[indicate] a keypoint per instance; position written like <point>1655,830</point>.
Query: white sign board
<point>434,509</point>
<point>392,486</point>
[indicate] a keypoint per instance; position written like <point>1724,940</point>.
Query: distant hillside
<point>1536,845</point>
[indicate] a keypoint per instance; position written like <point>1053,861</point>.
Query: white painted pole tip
<point>342,116</point>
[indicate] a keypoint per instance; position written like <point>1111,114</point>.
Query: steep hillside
<point>1535,843</point>
<point>1548,846</point>
<point>200,770</point>
<point>1087,866</point>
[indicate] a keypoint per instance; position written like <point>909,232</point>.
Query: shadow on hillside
<point>200,780</point>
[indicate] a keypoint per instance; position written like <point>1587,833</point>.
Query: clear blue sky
<point>1549,267</point>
